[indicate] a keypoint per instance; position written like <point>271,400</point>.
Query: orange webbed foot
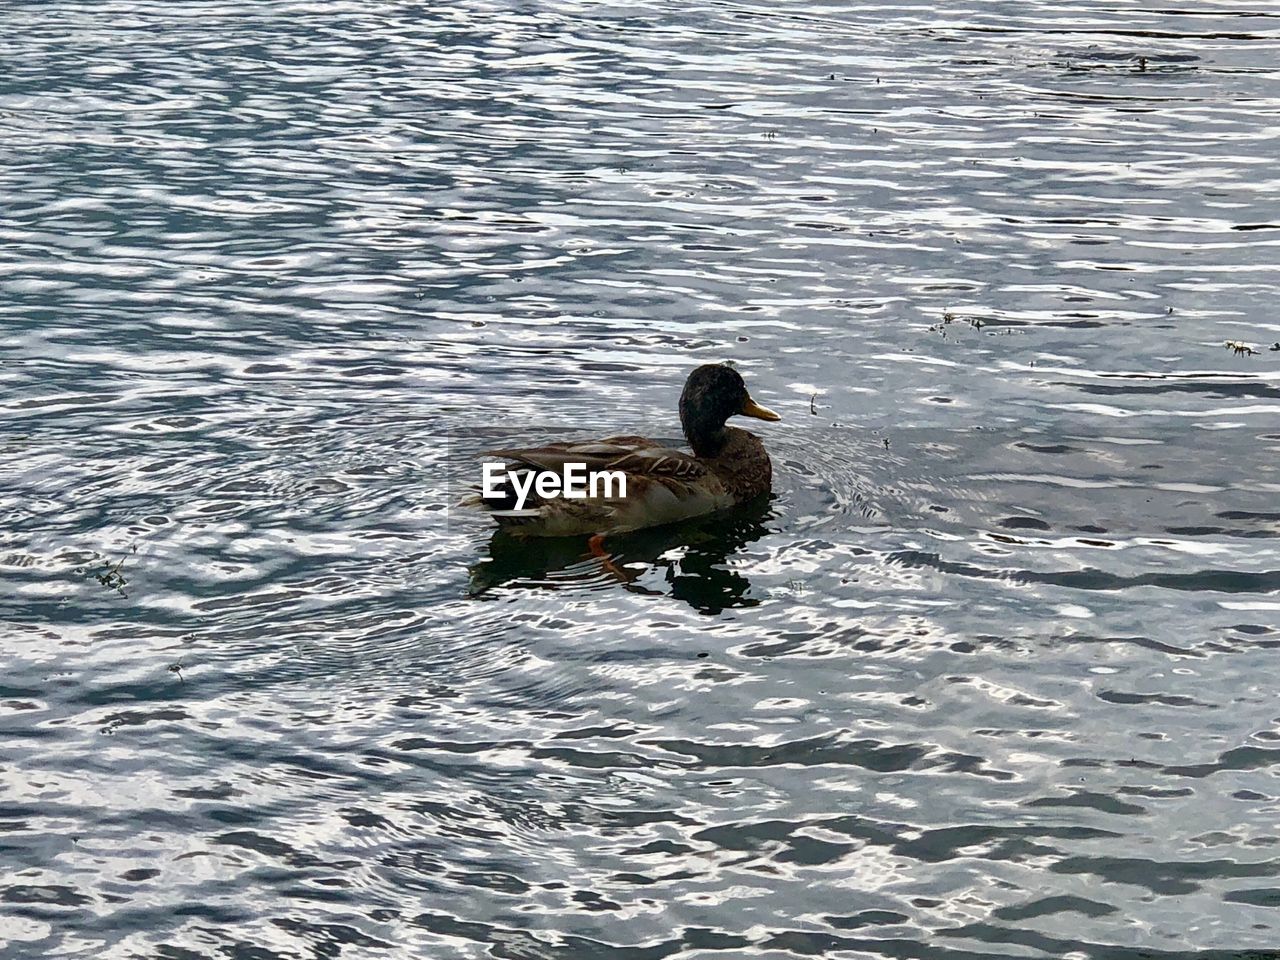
<point>596,547</point>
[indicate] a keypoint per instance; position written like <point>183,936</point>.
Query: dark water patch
<point>1168,700</point>
<point>1161,877</point>
<point>1052,905</point>
<point>1210,581</point>
<point>1237,758</point>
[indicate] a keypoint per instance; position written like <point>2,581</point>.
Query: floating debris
<point>112,577</point>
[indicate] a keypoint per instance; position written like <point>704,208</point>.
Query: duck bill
<point>752,409</point>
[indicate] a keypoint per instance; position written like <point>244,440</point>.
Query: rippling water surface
<point>993,673</point>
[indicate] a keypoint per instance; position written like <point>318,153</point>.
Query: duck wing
<point>663,485</point>
<point>628,454</point>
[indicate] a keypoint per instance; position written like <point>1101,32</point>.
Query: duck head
<point>713,393</point>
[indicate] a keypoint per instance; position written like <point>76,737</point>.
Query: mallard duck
<point>663,485</point>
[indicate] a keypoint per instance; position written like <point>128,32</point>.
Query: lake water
<point>992,675</point>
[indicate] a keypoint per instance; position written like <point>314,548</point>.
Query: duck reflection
<point>691,557</point>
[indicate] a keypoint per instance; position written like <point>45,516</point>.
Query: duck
<point>659,484</point>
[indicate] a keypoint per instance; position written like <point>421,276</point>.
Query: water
<point>990,676</point>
